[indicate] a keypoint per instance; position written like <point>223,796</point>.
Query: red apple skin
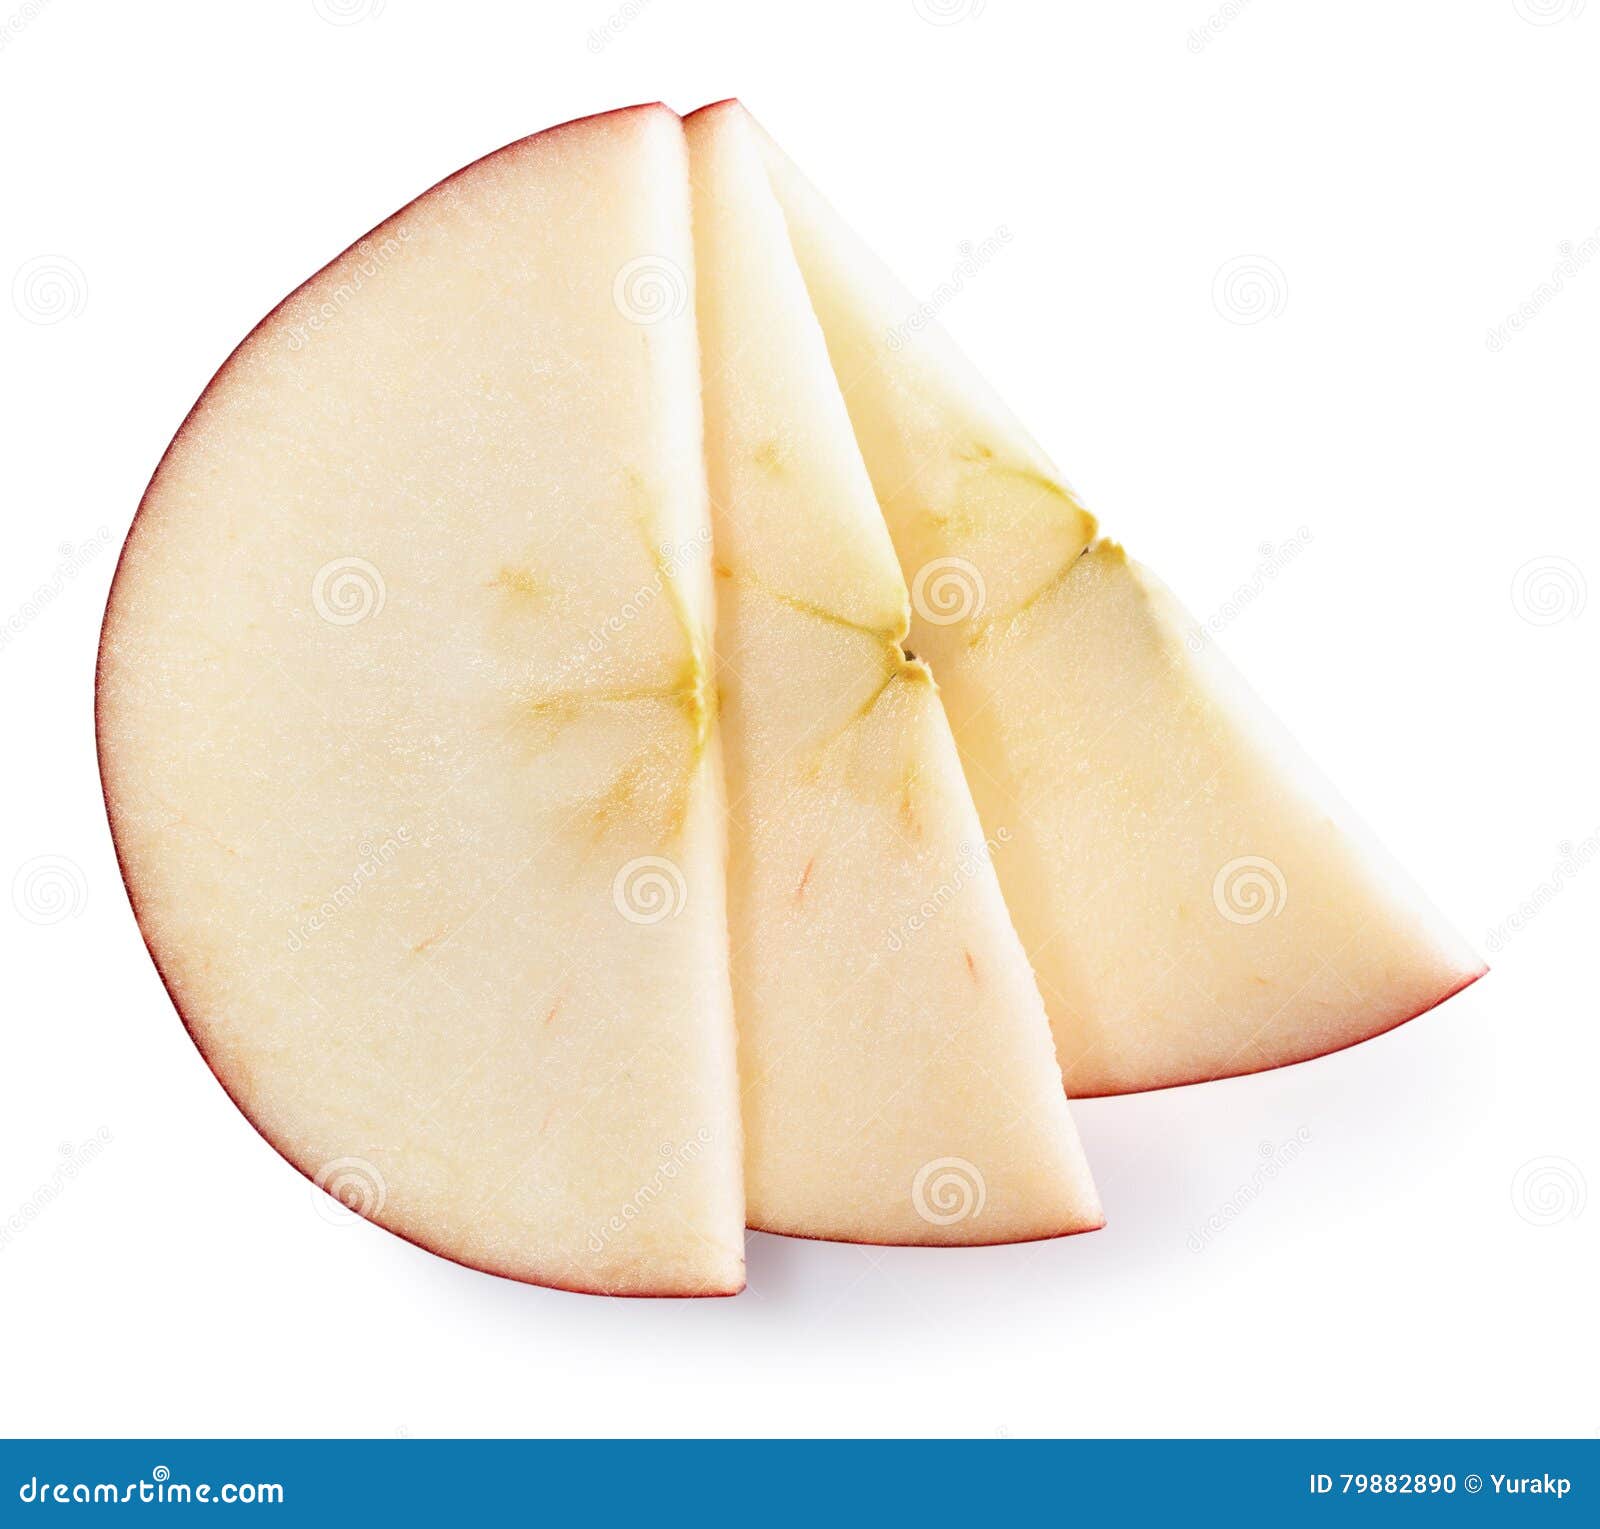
<point>111,813</point>
<point>942,1247</point>
<point>1250,1072</point>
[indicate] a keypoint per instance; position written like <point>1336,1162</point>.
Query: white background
<point>1402,178</point>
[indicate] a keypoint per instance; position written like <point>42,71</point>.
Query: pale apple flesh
<point>408,711</point>
<point>1273,928</point>
<point>1195,900</point>
<point>899,1084</point>
<point>405,724</point>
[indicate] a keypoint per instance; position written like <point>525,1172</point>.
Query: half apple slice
<point>1196,901</point>
<point>899,1082</point>
<point>405,727</point>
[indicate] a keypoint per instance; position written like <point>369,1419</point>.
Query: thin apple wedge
<point>898,1080</point>
<point>404,714</point>
<point>1271,926</point>
<point>1195,900</point>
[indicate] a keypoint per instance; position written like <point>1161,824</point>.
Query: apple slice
<point>1196,901</point>
<point>898,1078</point>
<point>404,717</point>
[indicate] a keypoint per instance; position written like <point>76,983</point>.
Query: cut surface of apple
<point>899,1082</point>
<point>609,464</point>
<point>1226,911</point>
<point>405,717</point>
<point>1195,900</point>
